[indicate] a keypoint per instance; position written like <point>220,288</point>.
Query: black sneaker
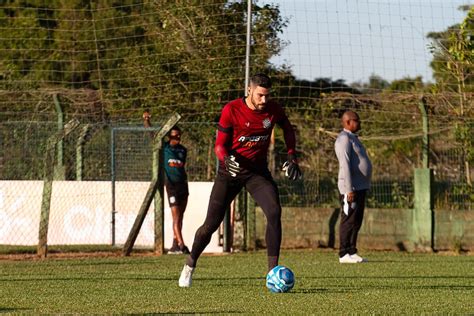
<point>184,250</point>
<point>175,244</point>
<point>175,250</point>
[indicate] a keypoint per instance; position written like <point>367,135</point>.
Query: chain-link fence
<point>23,145</point>
<point>95,153</point>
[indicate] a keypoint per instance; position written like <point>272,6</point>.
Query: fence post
<point>59,170</point>
<point>423,216</point>
<point>250,229</point>
<point>227,234</point>
<point>158,176</point>
<point>426,140</point>
<point>155,191</point>
<point>80,151</point>
<point>42,249</point>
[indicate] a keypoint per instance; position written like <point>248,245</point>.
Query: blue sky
<point>353,39</point>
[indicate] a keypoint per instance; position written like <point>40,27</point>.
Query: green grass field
<point>391,283</point>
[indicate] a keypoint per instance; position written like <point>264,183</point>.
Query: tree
<point>25,36</point>
<point>183,55</point>
<point>374,85</point>
<point>453,58</point>
<point>197,53</point>
<point>453,70</point>
<point>407,84</point>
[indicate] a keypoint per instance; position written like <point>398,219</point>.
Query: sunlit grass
<point>390,283</point>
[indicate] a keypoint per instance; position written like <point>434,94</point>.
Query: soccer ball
<point>280,279</point>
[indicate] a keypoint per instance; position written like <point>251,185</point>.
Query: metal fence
<point>23,143</point>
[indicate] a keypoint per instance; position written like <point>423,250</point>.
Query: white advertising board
<point>81,213</point>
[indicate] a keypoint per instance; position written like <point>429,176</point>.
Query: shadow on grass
<point>421,277</point>
<point>379,287</point>
<point>196,312</point>
<point>13,310</point>
<point>99,261</point>
<point>98,278</point>
<point>101,277</point>
<point>311,291</point>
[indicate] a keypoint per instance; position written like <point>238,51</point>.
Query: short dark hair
<point>175,128</point>
<point>261,80</point>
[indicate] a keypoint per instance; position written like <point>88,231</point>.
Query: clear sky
<point>353,39</point>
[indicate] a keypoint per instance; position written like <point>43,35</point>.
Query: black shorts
<point>177,193</point>
<point>261,187</point>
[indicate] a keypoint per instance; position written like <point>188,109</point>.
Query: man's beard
<point>259,107</point>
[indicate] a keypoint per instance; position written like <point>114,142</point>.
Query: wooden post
<point>155,191</point>
<point>80,150</point>
<point>159,197</point>
<point>59,170</point>
<point>49,163</point>
<point>426,139</point>
<point>251,229</point>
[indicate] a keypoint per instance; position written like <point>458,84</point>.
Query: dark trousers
<point>352,215</point>
<point>264,191</point>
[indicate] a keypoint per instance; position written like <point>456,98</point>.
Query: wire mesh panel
<point>451,161</point>
<point>105,62</point>
<point>132,150</point>
<point>132,160</point>
<point>96,154</point>
<point>199,139</point>
<point>23,147</point>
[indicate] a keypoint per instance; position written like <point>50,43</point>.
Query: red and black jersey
<point>246,134</point>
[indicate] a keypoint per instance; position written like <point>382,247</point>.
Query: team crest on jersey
<point>266,123</point>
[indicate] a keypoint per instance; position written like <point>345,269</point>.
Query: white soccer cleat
<point>358,258</point>
<point>186,277</point>
<point>347,259</point>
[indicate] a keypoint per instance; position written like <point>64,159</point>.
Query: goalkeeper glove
<point>231,165</point>
<point>291,168</point>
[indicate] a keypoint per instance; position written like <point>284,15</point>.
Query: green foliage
<point>453,54</point>
<point>453,196</point>
<point>155,54</point>
<point>464,133</point>
<point>308,193</point>
<point>390,194</point>
<point>407,84</point>
<point>108,60</point>
<point>374,85</point>
<point>25,33</point>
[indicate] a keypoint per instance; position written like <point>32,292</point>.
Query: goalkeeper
<point>243,138</point>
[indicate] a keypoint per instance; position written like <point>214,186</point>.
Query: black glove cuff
<point>292,158</point>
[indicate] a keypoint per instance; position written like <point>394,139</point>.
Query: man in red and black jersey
<point>242,143</point>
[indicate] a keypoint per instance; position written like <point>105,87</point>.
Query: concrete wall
<point>454,230</point>
<point>80,214</point>
<point>383,229</point>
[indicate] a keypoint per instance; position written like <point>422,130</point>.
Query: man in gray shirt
<point>355,170</point>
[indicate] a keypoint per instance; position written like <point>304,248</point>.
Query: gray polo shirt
<point>355,168</point>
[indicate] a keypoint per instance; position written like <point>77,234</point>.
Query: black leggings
<point>264,191</point>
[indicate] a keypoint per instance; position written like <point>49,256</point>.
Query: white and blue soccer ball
<point>280,279</point>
